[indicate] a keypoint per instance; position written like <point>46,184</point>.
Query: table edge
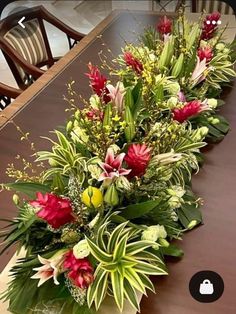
<point>22,100</point>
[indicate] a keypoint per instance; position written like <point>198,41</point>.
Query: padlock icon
<point>206,287</point>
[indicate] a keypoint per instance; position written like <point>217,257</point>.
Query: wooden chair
<point>27,49</point>
<point>209,6</point>
<point>7,93</point>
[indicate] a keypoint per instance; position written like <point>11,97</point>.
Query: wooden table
<point>210,247</point>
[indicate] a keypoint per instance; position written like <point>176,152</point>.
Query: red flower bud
<point>95,114</point>
<point>133,62</point>
<point>164,26</point>
<point>205,53</point>
<point>210,25</point>
<point>98,83</point>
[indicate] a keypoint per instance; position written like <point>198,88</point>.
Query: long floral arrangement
<point>100,219</point>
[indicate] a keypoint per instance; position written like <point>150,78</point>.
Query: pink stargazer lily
<point>198,73</point>
<point>113,166</point>
<point>117,95</point>
<point>50,268</point>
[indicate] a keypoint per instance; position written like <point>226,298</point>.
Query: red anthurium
<point>137,159</point>
<point>55,210</point>
<point>133,62</point>
<point>80,270</point>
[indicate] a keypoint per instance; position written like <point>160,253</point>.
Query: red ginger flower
<point>164,26</point>
<point>133,62</point>
<point>55,210</point>
<point>192,108</point>
<point>137,159</point>
<point>80,270</point>
<point>205,53</point>
<point>98,83</point>
<point>210,25</point>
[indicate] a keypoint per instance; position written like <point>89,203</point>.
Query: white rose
<point>212,102</point>
<point>94,101</point>
<point>172,87</point>
<point>175,202</point>
<point>172,102</point>
<point>81,249</point>
<point>152,57</point>
<point>153,233</point>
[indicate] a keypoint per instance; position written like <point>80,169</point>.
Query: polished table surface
<point>210,247</point>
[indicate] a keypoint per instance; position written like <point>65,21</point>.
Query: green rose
<point>172,88</point>
<point>153,233</point>
<point>81,249</point>
<point>212,102</point>
<point>172,102</point>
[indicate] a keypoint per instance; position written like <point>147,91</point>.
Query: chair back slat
<point>210,6</point>
<point>27,48</point>
<point>28,42</point>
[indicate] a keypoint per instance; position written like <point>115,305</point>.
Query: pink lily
<point>50,268</point>
<point>181,96</point>
<point>198,73</point>
<point>117,95</point>
<point>113,167</point>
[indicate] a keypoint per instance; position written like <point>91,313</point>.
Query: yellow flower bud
<point>164,242</point>
<point>16,199</point>
<point>69,126</point>
<point>192,224</point>
<point>92,197</point>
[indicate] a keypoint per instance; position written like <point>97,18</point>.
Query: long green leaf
<point>120,249</point>
<point>134,280</point>
<point>99,254</point>
<point>149,269</point>
<point>93,288</point>
<point>28,188</point>
<point>139,209</point>
<point>117,282</point>
<point>131,295</point>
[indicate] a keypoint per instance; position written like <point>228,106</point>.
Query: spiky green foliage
<point>123,266</point>
<point>150,38</point>
<point>64,158</point>
<point>29,232</point>
<point>26,298</point>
